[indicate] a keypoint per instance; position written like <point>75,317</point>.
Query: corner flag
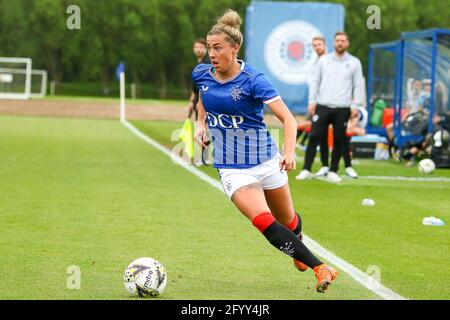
<point>119,70</point>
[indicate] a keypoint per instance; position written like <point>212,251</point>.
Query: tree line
<point>154,37</point>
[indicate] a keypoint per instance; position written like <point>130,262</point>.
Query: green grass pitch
<point>91,194</point>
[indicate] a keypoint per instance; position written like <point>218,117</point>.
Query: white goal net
<point>19,81</point>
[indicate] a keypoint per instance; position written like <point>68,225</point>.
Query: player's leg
<point>339,121</point>
<point>324,149</point>
<point>277,194</point>
<point>282,208</point>
<point>246,192</point>
<point>250,200</point>
<point>323,171</point>
<point>319,123</point>
<point>346,154</point>
<point>280,204</point>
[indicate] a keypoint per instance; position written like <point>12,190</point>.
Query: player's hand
<point>288,163</point>
<point>200,136</point>
<point>312,108</point>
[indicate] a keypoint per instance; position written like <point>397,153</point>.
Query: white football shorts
<point>268,174</point>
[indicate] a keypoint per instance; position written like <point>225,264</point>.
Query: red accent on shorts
<point>263,220</point>
<point>293,223</point>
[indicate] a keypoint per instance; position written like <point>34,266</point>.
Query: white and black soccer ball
<point>426,166</point>
<point>145,277</point>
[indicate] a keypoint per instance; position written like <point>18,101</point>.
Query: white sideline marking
<point>441,179</point>
<point>173,156</point>
<point>361,277</point>
<point>392,178</point>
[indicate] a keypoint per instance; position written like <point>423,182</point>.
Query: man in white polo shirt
<point>336,89</point>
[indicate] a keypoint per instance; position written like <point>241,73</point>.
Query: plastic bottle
<point>377,113</point>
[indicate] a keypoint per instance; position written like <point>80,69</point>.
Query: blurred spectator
<point>424,99</point>
<point>320,47</point>
<point>413,150</point>
<point>201,54</point>
<point>414,103</point>
<point>415,96</point>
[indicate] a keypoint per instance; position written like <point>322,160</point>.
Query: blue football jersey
<point>234,113</point>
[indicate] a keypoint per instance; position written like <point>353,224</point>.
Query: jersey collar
<point>211,72</point>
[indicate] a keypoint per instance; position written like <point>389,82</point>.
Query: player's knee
<point>293,223</point>
<point>263,221</point>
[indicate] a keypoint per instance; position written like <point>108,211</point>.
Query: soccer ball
<point>145,277</point>
<point>426,166</point>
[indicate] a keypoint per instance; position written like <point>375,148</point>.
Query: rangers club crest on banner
<point>288,51</point>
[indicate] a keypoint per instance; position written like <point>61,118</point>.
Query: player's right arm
<point>200,125</point>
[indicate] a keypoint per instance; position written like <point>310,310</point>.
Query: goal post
<point>39,86</point>
<point>15,78</point>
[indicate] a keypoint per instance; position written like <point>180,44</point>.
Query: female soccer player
<point>252,171</point>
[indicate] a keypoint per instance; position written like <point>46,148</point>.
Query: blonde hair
<point>229,24</point>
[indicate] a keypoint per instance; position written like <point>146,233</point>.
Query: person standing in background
<point>320,47</point>
<point>337,87</point>
<point>201,54</point>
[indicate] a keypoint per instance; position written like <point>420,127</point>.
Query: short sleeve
<point>194,78</point>
<point>198,74</point>
<point>264,90</point>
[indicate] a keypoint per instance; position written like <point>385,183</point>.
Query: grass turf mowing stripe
<point>361,277</point>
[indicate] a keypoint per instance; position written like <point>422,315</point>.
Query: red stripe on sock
<point>293,223</point>
<point>263,220</point>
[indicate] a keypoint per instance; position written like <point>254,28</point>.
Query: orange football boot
<point>325,276</point>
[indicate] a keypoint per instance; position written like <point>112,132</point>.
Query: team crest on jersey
<point>236,93</point>
<point>288,52</point>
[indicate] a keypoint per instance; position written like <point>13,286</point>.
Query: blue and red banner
<point>278,43</point>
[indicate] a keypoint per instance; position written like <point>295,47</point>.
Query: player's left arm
<point>281,111</point>
<point>200,125</point>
